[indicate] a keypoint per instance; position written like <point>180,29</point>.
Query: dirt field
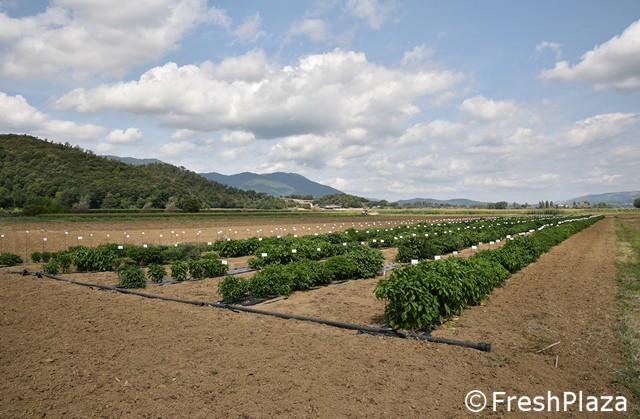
<point>71,351</point>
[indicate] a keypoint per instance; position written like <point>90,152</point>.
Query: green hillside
<point>43,176</point>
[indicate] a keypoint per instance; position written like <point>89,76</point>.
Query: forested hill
<point>50,177</point>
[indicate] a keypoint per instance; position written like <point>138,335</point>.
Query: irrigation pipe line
<point>482,346</point>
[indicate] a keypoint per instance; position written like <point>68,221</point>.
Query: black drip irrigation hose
<point>378,331</point>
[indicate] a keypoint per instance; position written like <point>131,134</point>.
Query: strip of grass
<point>628,278</point>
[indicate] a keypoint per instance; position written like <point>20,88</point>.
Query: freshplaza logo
<point>477,401</point>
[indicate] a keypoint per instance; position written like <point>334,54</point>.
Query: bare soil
<point>73,351</point>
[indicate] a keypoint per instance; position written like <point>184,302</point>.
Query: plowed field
<point>72,351</point>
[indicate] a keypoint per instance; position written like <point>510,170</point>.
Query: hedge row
<point>420,296</point>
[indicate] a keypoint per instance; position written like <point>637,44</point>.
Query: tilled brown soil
<point>74,351</point>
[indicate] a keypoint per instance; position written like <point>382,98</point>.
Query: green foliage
<point>418,248</point>
<point>420,296</point>
<point>232,288</point>
<point>273,280</point>
<point>52,267</point>
<point>206,268</point>
<point>237,248</point>
<point>179,270</point>
<point>156,272</point>
<point>341,267</point>
<point>367,261</point>
<point>95,259</point>
<point>64,260</point>
<point>46,177</point>
<point>132,277</point>
<point>349,201</point>
<point>10,259</point>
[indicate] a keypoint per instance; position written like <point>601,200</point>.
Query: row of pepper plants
<point>423,295</point>
<point>185,259</point>
<point>290,263</point>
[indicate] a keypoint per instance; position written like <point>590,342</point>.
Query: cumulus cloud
<point>129,136</point>
<point>238,138</point>
<point>97,36</point>
<point>434,129</point>
<point>598,128</point>
<point>16,115</point>
<point>483,108</point>
<point>322,93</point>
<point>612,65</point>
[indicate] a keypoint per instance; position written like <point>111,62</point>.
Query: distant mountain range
<point>276,184</point>
<point>284,184</point>
<point>615,199</point>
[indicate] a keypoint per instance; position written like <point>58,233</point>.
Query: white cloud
<point>480,107</point>
<point>129,136</point>
<point>612,65</point>
<point>16,115</point>
<point>249,30</point>
<point>238,138</point>
<point>314,29</point>
<point>97,36</point>
<point>182,134</point>
<point>553,46</point>
<point>373,11</point>
<point>434,129</point>
<point>174,149</point>
<point>598,128</point>
<point>417,55</point>
<point>322,93</point>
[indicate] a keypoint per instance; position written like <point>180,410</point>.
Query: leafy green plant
<point>95,259</point>
<point>156,272</point>
<point>367,261</point>
<point>179,271</point>
<point>232,288</point>
<point>273,280</point>
<point>52,267</point>
<point>64,261</point>
<point>10,259</point>
<point>341,267</point>
<point>132,277</point>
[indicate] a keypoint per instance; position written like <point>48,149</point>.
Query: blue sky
<point>495,100</point>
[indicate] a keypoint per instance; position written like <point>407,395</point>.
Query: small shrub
<point>10,259</point>
<point>232,288</point>
<point>64,261</point>
<point>52,267</point>
<point>132,277</point>
<point>156,272</point>
<point>179,271</point>
<point>273,280</point>
<point>36,257</point>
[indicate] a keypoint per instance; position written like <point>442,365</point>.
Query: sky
<point>496,100</point>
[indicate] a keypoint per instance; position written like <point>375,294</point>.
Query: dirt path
<point>74,351</point>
